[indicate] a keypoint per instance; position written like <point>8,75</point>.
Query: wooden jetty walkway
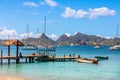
<point>32,57</point>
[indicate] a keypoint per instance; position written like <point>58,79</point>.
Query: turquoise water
<point>104,70</point>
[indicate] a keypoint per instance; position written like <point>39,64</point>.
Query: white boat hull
<point>85,60</point>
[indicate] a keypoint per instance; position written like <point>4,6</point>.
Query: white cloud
<point>8,34</point>
<point>42,3</point>
<point>32,4</point>
<point>107,37</point>
<point>53,36</point>
<point>51,3</point>
<point>68,34</point>
<point>91,13</point>
<point>12,34</point>
<point>104,11</point>
<point>73,13</point>
<point>27,35</point>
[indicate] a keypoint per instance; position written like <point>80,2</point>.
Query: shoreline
<point>11,78</point>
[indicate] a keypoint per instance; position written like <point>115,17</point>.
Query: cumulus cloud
<point>27,35</point>
<point>91,13</point>
<point>12,34</point>
<point>53,36</point>
<point>104,11</point>
<point>42,3</point>
<point>8,34</point>
<point>32,4</point>
<point>107,37</point>
<point>51,3</point>
<point>69,12</point>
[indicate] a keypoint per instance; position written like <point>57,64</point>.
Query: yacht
<point>116,47</point>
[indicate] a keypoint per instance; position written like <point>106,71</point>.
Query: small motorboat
<point>87,60</point>
<point>97,47</point>
<point>53,48</point>
<point>101,57</point>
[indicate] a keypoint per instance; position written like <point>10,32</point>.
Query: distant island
<point>77,39</point>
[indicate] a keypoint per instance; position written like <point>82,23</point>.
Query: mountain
<point>44,40</point>
<point>63,40</point>
<point>83,39</point>
<point>77,39</point>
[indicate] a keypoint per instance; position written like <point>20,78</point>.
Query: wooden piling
<point>73,57</point>
<point>70,57</point>
<point>29,59</point>
<point>26,60</point>
<point>9,54</point>
<point>17,60</point>
<point>64,57</point>
<point>1,56</point>
<point>78,56</point>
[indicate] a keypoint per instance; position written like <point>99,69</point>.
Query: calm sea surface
<point>104,70</point>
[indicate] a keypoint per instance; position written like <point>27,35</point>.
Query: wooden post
<point>53,57</point>
<point>73,57</point>
<point>1,56</point>
<point>26,60</point>
<point>9,54</point>
<point>17,58</point>
<point>17,49</point>
<point>64,57</point>
<point>32,59</point>
<point>69,57</point>
<point>29,59</point>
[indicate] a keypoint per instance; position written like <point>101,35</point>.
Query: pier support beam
<point>73,57</point>
<point>29,59</point>
<point>9,54</point>
<point>1,55</point>
<point>64,58</point>
<point>26,60</point>
<point>17,60</point>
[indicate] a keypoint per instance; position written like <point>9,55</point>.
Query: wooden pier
<point>31,58</point>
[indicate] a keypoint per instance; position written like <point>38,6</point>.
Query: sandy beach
<point>11,78</point>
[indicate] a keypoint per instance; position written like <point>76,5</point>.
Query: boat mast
<point>117,30</point>
<point>27,34</point>
<point>45,25</point>
<point>27,30</point>
<point>116,36</point>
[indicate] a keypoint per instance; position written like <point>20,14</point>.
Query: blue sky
<point>92,17</point>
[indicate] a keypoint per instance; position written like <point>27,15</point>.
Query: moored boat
<point>101,57</point>
<point>53,48</point>
<point>116,47</point>
<point>97,47</point>
<point>29,48</point>
<point>87,60</point>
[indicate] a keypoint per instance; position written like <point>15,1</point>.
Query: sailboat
<point>28,47</point>
<point>46,48</point>
<point>116,47</point>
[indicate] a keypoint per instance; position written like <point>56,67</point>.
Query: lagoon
<point>104,70</point>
